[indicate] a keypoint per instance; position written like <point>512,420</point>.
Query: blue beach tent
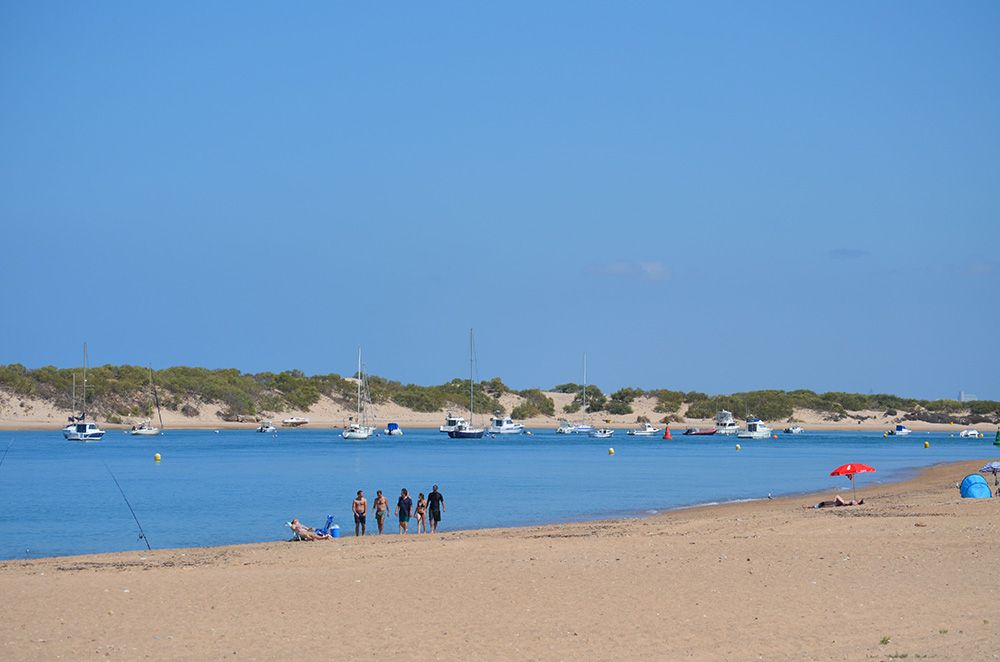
<point>975,486</point>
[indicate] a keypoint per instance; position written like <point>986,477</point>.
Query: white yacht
<point>601,433</point>
<point>466,429</point>
<point>83,431</point>
<point>79,429</point>
<point>899,431</point>
<point>756,429</point>
<point>359,428</point>
<point>795,429</point>
<point>565,427</point>
<point>294,422</point>
<point>725,423</point>
<point>504,425</point>
<point>451,422</point>
<point>971,434</point>
<point>266,427</point>
<point>144,429</point>
<point>647,430</point>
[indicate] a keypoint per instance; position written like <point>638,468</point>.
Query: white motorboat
<point>899,431</point>
<point>266,427</point>
<point>359,428</point>
<point>144,429</point>
<point>83,431</point>
<point>79,429</point>
<point>565,427</point>
<point>601,433</point>
<point>647,430</point>
<point>971,434</point>
<point>725,423</point>
<point>294,422</point>
<point>465,430</point>
<point>756,429</point>
<point>451,422</point>
<point>393,430</point>
<point>795,429</point>
<point>504,425</point>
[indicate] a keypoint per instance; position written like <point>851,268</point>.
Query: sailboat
<point>583,427</point>
<point>464,429</point>
<point>79,429</point>
<point>359,428</point>
<point>146,429</point>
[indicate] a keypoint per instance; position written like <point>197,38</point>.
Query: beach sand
<point>912,572</point>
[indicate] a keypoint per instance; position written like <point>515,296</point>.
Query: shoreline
<point>899,576</point>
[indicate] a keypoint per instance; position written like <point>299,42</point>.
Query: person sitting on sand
<point>304,532</point>
<point>838,501</point>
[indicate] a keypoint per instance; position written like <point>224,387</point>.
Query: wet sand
<point>912,572</point>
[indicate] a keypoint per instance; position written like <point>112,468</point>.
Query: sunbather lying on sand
<point>838,501</point>
<point>306,532</point>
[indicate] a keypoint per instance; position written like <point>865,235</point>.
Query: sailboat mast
<point>471,372</point>
<point>156,398</point>
<point>73,406</point>
<point>84,411</point>
<point>584,385</point>
<point>360,377</point>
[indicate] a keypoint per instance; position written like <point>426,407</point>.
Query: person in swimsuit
<point>360,509</point>
<point>435,504</point>
<point>381,510</point>
<point>421,514</point>
<point>303,532</point>
<point>403,507</point>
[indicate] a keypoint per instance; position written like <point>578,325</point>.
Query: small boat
<point>647,430</point>
<point>451,422</point>
<point>504,425</point>
<point>359,428</point>
<point>725,423</point>
<point>83,431</point>
<point>266,426</point>
<point>756,429</point>
<point>899,431</point>
<point>583,427</point>
<point>144,429</point>
<point>795,429</point>
<point>565,427</point>
<point>699,432</point>
<point>971,434</point>
<point>79,429</point>
<point>464,429</point>
<point>601,433</point>
<point>294,422</point>
<point>392,429</point>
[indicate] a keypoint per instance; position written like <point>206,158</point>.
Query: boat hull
<point>699,433</point>
<point>151,432</point>
<point>466,434</point>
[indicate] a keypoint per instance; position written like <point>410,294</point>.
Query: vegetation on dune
<point>123,391</point>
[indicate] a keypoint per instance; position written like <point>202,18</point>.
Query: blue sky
<point>713,196</point>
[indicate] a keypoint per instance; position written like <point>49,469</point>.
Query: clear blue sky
<point>714,196</point>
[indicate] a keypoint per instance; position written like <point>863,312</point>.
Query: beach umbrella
<point>992,468</point>
<point>849,470</point>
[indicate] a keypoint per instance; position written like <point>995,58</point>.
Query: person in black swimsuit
<point>435,506</point>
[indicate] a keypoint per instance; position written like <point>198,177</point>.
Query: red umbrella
<point>849,470</point>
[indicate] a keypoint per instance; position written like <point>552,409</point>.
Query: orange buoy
<point>666,433</point>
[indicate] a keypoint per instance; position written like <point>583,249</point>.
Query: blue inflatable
<point>975,486</point>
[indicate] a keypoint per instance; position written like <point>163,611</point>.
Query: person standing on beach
<point>403,507</point>
<point>422,513</point>
<point>360,508</point>
<point>435,505</point>
<point>381,510</point>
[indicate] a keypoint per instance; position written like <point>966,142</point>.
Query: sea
<point>233,486</point>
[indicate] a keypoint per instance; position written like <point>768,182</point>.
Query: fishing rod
<point>5,452</point>
<point>142,534</point>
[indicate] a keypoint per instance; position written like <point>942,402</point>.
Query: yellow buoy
<point>927,444</point>
<point>611,451</point>
<point>156,458</point>
<point>738,447</point>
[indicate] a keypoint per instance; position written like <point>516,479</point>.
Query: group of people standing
<point>427,509</point>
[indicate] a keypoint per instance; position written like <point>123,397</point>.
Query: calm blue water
<point>56,497</point>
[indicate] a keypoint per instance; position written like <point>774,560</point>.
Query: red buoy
<point>666,433</point>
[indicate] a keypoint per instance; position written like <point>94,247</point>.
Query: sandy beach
<point>909,574</point>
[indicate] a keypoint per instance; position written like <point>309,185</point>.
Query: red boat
<point>699,431</point>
